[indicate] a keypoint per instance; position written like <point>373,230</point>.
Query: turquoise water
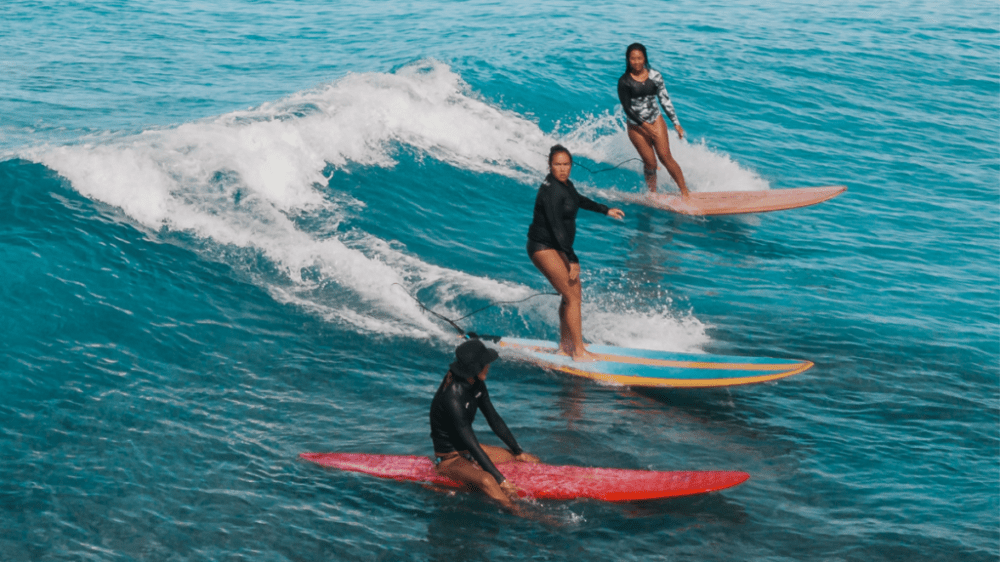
<point>212,215</point>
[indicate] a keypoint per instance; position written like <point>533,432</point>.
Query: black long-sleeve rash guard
<point>452,411</point>
<point>554,221</point>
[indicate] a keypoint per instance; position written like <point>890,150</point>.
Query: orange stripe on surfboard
<point>631,380</point>
<point>672,363</point>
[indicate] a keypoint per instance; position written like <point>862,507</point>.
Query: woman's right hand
<point>574,272</point>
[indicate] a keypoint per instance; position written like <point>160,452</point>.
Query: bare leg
<point>565,334</point>
<point>460,469</point>
<point>661,142</point>
<point>644,146</point>
<point>555,266</point>
<point>497,454</point>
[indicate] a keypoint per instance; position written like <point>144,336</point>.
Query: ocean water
<point>213,217</point>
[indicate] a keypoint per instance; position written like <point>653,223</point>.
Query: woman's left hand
<point>616,213</point>
<point>680,131</point>
<point>527,457</point>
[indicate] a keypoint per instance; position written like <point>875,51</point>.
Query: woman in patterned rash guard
<point>638,89</point>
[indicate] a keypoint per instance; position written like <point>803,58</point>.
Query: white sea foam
<point>602,138</point>
<point>663,329</point>
<point>250,179</point>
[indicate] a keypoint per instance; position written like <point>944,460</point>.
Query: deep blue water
<point>211,215</point>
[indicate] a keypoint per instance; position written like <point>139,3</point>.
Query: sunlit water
<point>214,217</point>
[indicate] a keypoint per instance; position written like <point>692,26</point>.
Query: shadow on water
<point>658,235</point>
<point>466,527</point>
<point>651,255</point>
<point>706,405</point>
<point>714,404</point>
<point>688,425</point>
<point>686,511</point>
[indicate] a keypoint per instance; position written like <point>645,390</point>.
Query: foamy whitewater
<point>264,180</point>
<point>234,233</point>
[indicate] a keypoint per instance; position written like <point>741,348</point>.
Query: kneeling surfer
<point>461,394</point>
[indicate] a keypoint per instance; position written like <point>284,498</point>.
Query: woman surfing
<point>638,89</point>
<point>550,245</point>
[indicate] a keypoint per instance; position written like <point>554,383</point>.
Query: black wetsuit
<point>554,223</point>
<point>452,411</point>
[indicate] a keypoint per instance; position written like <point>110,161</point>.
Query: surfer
<point>550,245</point>
<point>458,453</point>
<point>638,89</point>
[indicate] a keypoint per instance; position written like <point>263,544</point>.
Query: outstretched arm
<point>591,205</point>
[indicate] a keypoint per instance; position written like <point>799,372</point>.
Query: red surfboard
<point>543,481</point>
<point>739,202</point>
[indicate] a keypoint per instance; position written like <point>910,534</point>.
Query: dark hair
<point>635,47</point>
<point>556,149</point>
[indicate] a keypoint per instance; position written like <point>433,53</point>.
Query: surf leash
<point>454,324</point>
<point>620,164</point>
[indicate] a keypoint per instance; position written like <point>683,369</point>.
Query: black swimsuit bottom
<point>438,459</point>
<point>534,246</point>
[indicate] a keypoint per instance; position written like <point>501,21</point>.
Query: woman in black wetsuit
<point>550,245</point>
<point>461,394</point>
<point>638,89</point>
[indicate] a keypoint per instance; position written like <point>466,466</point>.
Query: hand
<point>527,457</point>
<point>510,489</point>
<point>616,213</point>
<point>574,272</point>
<point>680,131</point>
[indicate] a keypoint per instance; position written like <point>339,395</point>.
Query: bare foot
<point>585,356</point>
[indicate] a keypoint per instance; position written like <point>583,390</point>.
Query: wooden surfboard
<point>740,202</point>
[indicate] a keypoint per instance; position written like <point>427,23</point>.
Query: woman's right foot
<point>585,356</point>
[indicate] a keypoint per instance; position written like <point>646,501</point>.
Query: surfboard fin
<point>473,335</point>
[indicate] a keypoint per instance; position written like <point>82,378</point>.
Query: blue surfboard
<point>650,368</point>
